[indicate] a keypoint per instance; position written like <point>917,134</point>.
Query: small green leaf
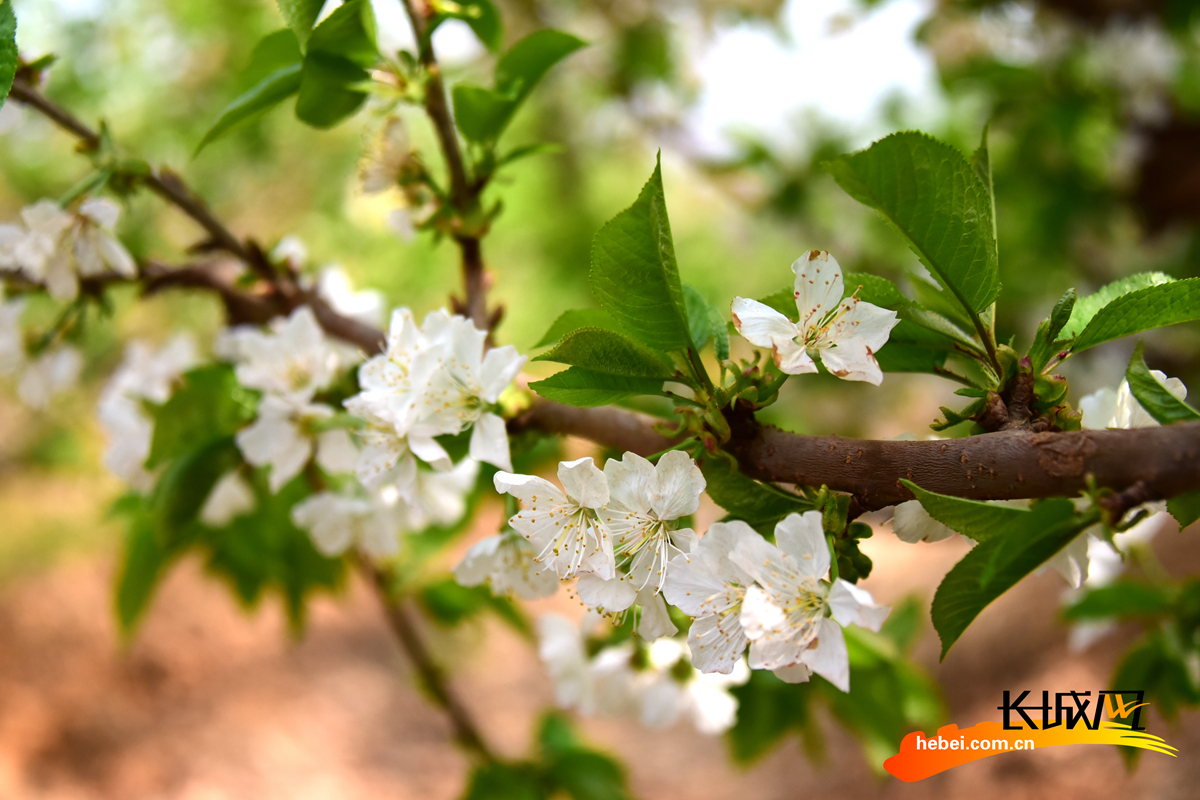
<point>768,710</point>
<point>575,319</point>
<point>720,332</point>
<point>1152,307</point>
<point>496,780</point>
<point>1153,396</point>
<point>981,162</point>
<point>1185,508</point>
<point>998,563</point>
<point>1085,308</point>
<point>588,775</point>
<point>974,519</point>
<point>758,504</point>
<point>261,98</point>
<point>209,405</point>
<point>697,317</point>
<point>8,48</point>
<point>932,197</point>
<point>895,357</point>
<point>480,15</point>
<point>301,15</point>
<point>1045,341</point>
<point>602,350</point>
<point>482,114</point>
<point>587,389</point>
<point>1120,601</point>
<point>325,97</point>
<point>339,51</point>
<point>143,562</point>
<point>634,275</point>
<point>185,484</point>
<point>273,52</point>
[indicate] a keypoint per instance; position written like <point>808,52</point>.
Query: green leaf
<point>720,332</point>
<point>348,32</point>
<point>587,389</point>
<point>1185,508</point>
<point>325,97</point>
<point>895,357</point>
<point>903,625</point>
<point>573,320</point>
<point>607,351</point>
<point>1119,601</point>
<point>981,163</point>
<point>482,114</point>
<point>1153,396</point>
<point>768,710</point>
<point>974,519</point>
<point>339,51</point>
<point>273,52</point>
<point>8,49</point>
<point>301,15</point>
<point>1045,341</point>
<point>1086,308</point>
<point>496,780</point>
<point>998,563</point>
<point>264,550</point>
<point>697,316</point>
<point>258,100</point>
<point>185,484</point>
<point>209,405</point>
<point>928,192</point>
<point>1152,307</point>
<point>143,562</point>
<point>634,274</point>
<point>480,15</point>
<point>758,504</point>
<point>588,775</point>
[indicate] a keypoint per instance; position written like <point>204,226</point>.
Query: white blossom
<point>386,158</point>
<point>294,360</point>
<point>709,587</point>
<point>911,523</point>
<point>435,497</point>
<point>282,437</point>
<point>231,497</point>
<point>337,522</point>
<point>335,288</point>
<point>564,525</point>
<point>144,375</point>
<point>431,381</point>
<point>793,617</point>
<point>644,500</point>
<point>506,564</point>
<point>665,696</point>
<point>51,373</point>
<point>290,249</point>
<point>844,332</point>
<point>58,247</point>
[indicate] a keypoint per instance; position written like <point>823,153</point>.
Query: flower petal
<point>852,360</point>
<point>489,442</point>
<point>584,482</point>
<point>911,523</point>
<point>852,605</point>
<point>760,324</point>
<point>655,621</point>
<point>803,538</point>
<point>818,287</point>
<point>679,485</point>
<point>616,594</point>
<point>829,658</point>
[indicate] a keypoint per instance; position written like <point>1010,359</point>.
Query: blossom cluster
<point>617,531</point>
<point>654,682</point>
<point>53,371</point>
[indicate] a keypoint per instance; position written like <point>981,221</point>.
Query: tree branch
<point>463,192</point>
<point>408,635</point>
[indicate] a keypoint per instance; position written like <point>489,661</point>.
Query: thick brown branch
<point>611,427</point>
<point>408,635</point>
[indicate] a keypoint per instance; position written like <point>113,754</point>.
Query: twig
<point>404,626</point>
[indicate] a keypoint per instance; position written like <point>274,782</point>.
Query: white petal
<point>476,566</point>
<point>336,451</point>
<point>717,643</point>
<point>500,366</point>
<point>616,594</point>
<point>912,523</point>
<point>1099,409</point>
<point>829,658</point>
<point>793,358</point>
<point>852,605</point>
<point>679,485</point>
<point>714,547</point>
<point>760,615</point>
<point>795,673</point>
<point>852,360</point>
<point>714,710</point>
<point>231,497</point>
<point>631,483</point>
<point>527,488</point>
<point>818,287</point>
<point>803,538</point>
<point>865,321</point>
<point>489,442</point>
<point>760,324</point>
<point>655,621</point>
<point>662,703</point>
<point>1071,562</point>
<point>584,482</point>
<point>101,211</point>
<point>427,449</point>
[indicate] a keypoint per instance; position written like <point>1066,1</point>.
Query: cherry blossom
<point>793,617</point>
<point>844,332</point>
